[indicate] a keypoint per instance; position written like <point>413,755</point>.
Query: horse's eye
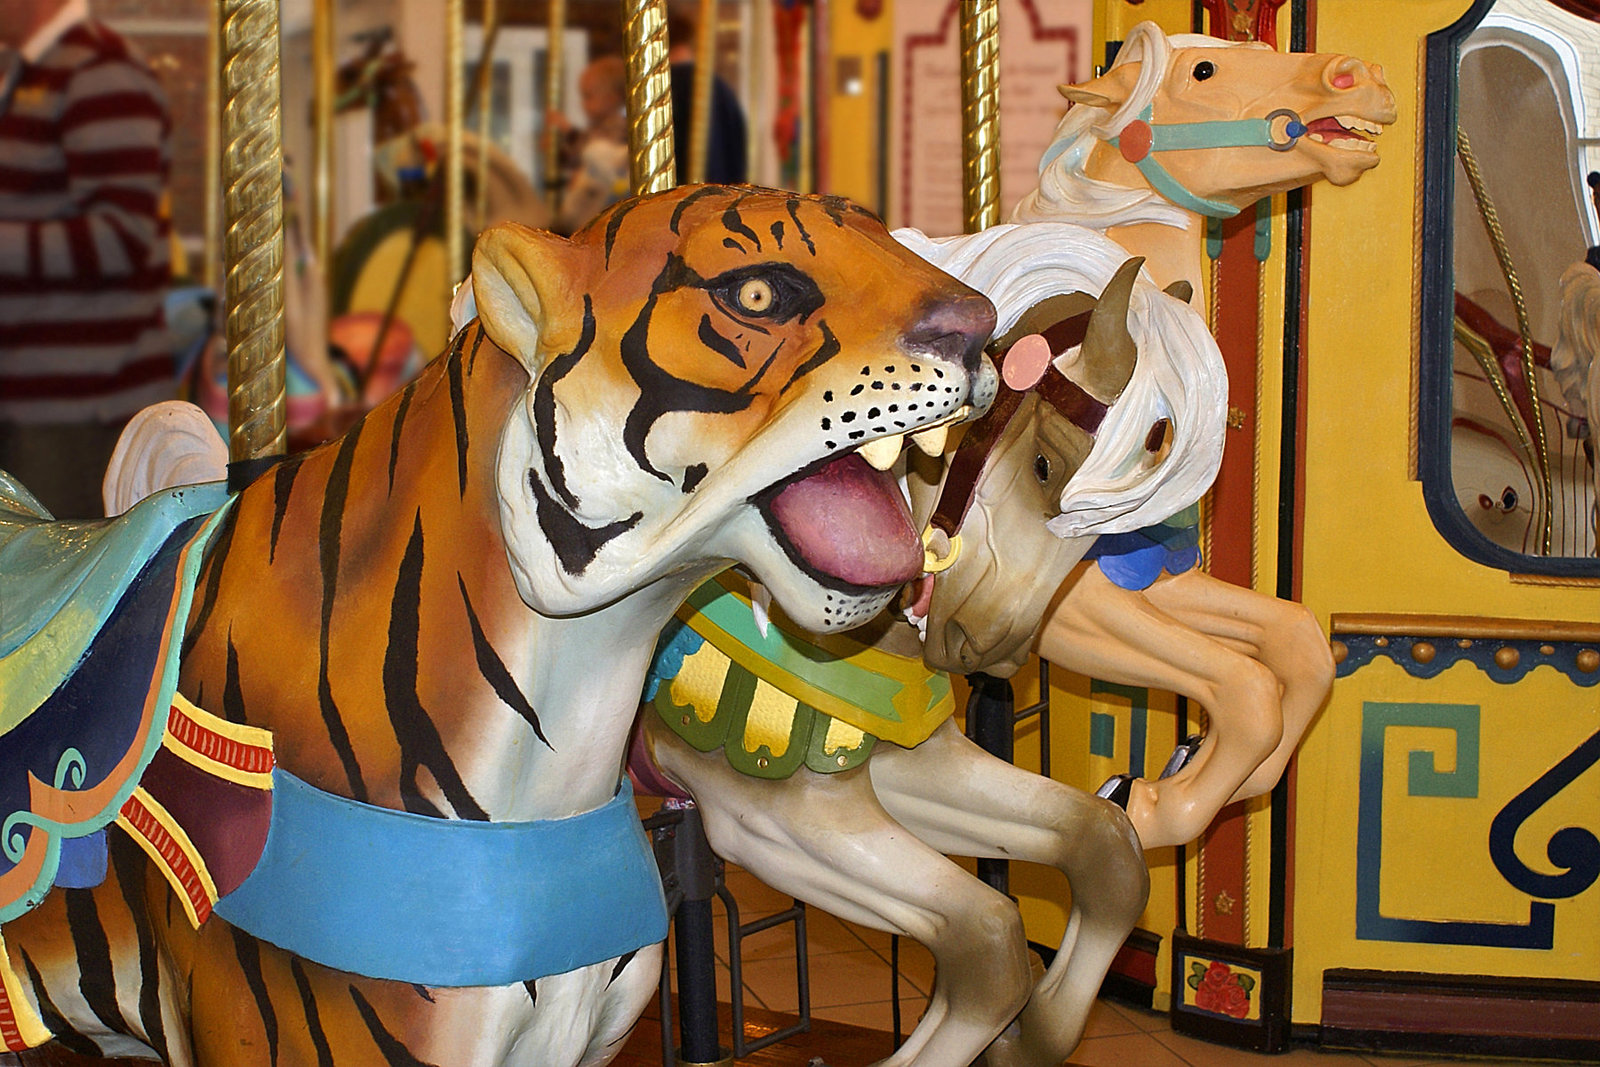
<point>1204,69</point>
<point>1041,469</point>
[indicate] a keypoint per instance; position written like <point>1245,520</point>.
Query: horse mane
<point>1065,193</point>
<point>1179,374</point>
<point>1578,339</point>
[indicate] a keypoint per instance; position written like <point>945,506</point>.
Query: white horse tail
<point>166,445</point>
<point>1577,341</point>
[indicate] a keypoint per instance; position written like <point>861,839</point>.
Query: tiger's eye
<point>755,295</point>
<point>1203,70</point>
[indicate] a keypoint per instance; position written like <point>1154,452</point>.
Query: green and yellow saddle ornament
<point>778,700</point>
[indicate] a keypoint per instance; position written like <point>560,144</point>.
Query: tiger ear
<point>525,283</point>
<point>1110,91</point>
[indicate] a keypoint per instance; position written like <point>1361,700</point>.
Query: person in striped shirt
<point>84,156</point>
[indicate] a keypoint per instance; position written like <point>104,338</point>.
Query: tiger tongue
<point>850,521</point>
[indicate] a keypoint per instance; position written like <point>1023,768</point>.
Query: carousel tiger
<point>435,630</point>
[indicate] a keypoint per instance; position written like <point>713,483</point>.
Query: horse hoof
<point>1117,789</point>
<point>1182,755</point>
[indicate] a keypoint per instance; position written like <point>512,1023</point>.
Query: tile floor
<point>850,983</point>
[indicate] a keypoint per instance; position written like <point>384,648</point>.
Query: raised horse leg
<point>826,840</point>
<point>960,799</point>
<point>1259,666</point>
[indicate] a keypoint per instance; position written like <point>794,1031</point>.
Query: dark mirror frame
<point>1437,309</point>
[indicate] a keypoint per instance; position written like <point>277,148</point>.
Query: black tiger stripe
<point>420,743</point>
<point>493,669</point>
<point>232,690</point>
<point>128,860</point>
<point>575,544</point>
<point>735,222</point>
<point>660,391</point>
<point>544,405</point>
<point>394,1051</point>
<point>248,952</point>
<point>793,204</point>
<point>614,223</point>
<point>308,1002</point>
<point>216,560</point>
<point>424,992</point>
<point>693,475</point>
<point>689,198</point>
<point>729,242</point>
<point>533,990</point>
<point>622,965</point>
<point>283,475</point>
<point>720,344</point>
<point>51,1016</point>
<point>777,232</point>
<point>399,421</point>
<point>332,522</point>
<point>97,980</point>
<point>825,351</point>
<point>458,411</point>
<point>472,355</point>
<point>835,207</point>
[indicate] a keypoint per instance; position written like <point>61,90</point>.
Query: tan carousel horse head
<point>1213,126</point>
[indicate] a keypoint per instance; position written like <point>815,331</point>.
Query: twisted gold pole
<point>322,94</point>
<point>555,83</point>
<point>705,70</point>
<point>652,166</point>
<point>980,113</point>
<point>252,173</point>
<point>1502,252</point>
<point>454,116</point>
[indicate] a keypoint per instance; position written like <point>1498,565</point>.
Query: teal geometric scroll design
<point>1423,779</point>
<point>1138,699</point>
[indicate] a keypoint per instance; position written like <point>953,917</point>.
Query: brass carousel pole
<point>252,174</point>
<point>554,84</point>
<point>652,166</point>
<point>705,70</point>
<point>454,101</point>
<point>980,113</point>
<point>483,93</point>
<point>322,93</point>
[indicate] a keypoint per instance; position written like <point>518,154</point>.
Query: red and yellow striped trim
<point>20,1025</point>
<point>229,750</point>
<point>169,847</point>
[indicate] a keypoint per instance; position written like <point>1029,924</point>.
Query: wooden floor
<point>836,1044</point>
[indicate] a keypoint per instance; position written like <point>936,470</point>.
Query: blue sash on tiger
<point>775,701</point>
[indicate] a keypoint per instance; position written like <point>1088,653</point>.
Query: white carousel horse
<point>1177,130</point>
<point>867,842</point>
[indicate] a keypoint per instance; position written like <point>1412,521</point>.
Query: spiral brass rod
<point>652,165</point>
<point>252,175</point>
<point>554,86</point>
<point>980,113</point>
<point>211,256</point>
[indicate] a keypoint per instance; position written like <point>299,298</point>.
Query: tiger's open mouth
<point>846,524</point>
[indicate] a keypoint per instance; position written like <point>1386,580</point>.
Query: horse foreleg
<point>826,840</point>
<point>960,799</point>
<point>1283,635</point>
<point>1098,628</point>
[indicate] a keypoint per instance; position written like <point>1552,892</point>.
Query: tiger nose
<point>953,330</point>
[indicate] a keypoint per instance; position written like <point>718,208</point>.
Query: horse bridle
<point>1141,139</point>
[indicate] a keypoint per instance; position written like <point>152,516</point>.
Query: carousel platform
<point>836,1044</point>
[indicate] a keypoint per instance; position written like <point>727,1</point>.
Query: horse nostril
<point>1344,72</point>
<point>954,331</point>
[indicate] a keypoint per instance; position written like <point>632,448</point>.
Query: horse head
<point>1213,126</point>
<point>1111,418</point>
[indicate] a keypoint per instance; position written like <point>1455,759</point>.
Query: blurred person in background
<point>726,161</point>
<point>594,160</point>
<point>84,248</point>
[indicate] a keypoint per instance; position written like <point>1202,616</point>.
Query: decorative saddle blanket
<point>93,731</point>
<point>775,701</point>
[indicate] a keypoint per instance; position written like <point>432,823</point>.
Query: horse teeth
<point>932,440</point>
<point>1351,122</point>
<point>882,453</point>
